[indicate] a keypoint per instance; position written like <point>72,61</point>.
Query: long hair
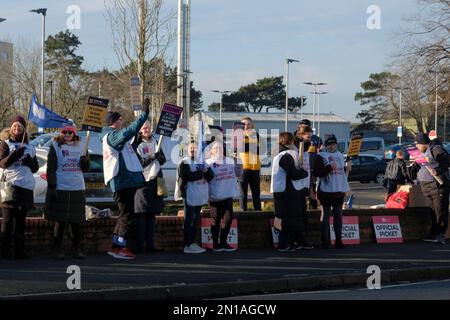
<point>59,139</point>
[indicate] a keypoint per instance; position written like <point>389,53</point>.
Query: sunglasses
<point>67,132</point>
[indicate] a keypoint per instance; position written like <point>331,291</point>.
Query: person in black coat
<point>401,176</point>
<point>289,203</point>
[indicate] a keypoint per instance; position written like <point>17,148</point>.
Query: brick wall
<point>254,230</point>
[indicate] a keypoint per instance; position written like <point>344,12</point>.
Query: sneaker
<point>217,248</point>
<point>121,253</point>
<point>193,248</point>
<point>226,247</point>
<point>305,246</point>
<point>286,249</point>
<point>429,238</point>
<point>441,239</point>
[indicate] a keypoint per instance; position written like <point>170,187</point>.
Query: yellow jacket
<point>251,160</point>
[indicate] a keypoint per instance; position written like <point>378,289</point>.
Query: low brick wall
<point>254,230</point>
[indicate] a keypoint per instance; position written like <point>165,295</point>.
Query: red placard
<point>350,230</point>
<point>387,229</point>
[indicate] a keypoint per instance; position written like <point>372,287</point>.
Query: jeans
<point>191,218</point>
<point>252,178</point>
<point>327,211</point>
<point>145,230</point>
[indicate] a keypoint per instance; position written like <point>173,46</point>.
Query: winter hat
<point>330,139</point>
<point>432,135</point>
<point>69,128</point>
<point>19,119</point>
<point>112,117</point>
<point>422,138</point>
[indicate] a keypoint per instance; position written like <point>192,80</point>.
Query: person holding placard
<point>222,189</point>
<point>147,203</point>
<point>332,171</point>
<point>433,177</point>
<point>66,198</point>
<point>123,173</point>
<point>290,181</point>
<point>18,163</point>
<point>192,187</point>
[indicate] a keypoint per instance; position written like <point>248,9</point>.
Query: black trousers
<point>13,227</point>
<point>438,200</point>
<point>75,230</point>
<point>221,210</point>
<point>125,201</point>
<point>145,231</point>
<point>252,178</point>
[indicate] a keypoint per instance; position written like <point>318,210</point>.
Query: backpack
<point>391,170</point>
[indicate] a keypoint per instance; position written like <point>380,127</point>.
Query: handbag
<point>398,200</point>
<point>161,190</point>
<point>6,189</point>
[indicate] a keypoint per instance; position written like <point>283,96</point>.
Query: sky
<point>236,42</point>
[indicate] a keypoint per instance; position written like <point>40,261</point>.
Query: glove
<point>27,161</point>
<point>19,152</point>
<point>52,194</point>
<point>146,105</point>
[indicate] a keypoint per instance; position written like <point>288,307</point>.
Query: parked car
<point>96,191</point>
<point>373,145</point>
<point>367,168</point>
<point>391,150</point>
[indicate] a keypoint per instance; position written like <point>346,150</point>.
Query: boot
<point>339,244</point>
<point>19,247</point>
<point>5,245</point>
<point>215,237</point>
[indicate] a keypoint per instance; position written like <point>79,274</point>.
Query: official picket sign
<point>94,114</point>
<point>168,120</point>
<point>355,145</point>
<point>207,242</point>
<point>275,234</point>
<point>350,230</point>
<point>387,229</point>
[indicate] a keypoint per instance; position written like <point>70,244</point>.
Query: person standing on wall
<point>147,203</point>
<point>251,164</point>
<point>66,198</point>
<point>18,161</point>
<point>123,174</point>
<point>222,189</point>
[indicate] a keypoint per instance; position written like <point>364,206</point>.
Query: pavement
<point>174,275</point>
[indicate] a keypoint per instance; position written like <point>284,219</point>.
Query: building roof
<point>275,116</point>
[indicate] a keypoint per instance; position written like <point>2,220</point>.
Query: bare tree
<point>142,32</point>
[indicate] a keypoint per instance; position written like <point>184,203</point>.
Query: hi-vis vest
<point>196,191</point>
<point>278,181</point>
<point>69,176</point>
<point>336,181</point>
<point>17,173</point>
<point>224,184</point>
<point>111,160</point>
<point>250,158</point>
<point>146,149</point>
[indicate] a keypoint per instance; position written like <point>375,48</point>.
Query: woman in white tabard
<point>290,185</point>
<point>66,198</point>
<point>332,170</point>
<point>192,187</point>
<point>222,189</point>
<point>147,203</point>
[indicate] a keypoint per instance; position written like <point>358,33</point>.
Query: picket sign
<point>350,230</point>
<point>207,242</point>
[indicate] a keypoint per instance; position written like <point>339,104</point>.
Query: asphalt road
<point>429,290</point>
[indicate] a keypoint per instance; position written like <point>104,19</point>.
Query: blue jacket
<point>117,139</point>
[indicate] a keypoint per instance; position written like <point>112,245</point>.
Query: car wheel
<point>379,178</point>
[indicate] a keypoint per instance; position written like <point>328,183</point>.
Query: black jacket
<point>402,172</point>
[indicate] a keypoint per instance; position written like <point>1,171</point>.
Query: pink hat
<point>69,128</point>
<point>432,135</point>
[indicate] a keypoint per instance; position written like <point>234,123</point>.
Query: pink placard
<point>387,229</point>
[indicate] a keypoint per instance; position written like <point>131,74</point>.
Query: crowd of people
<point>307,171</point>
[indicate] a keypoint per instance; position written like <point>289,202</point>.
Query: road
<point>429,290</point>
<point>367,194</point>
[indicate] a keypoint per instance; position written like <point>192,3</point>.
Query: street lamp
<point>287,91</point>
<point>436,73</point>
<point>51,93</point>
<point>318,111</point>
<point>221,103</point>
<point>314,84</point>
<point>400,126</point>
<point>42,11</point>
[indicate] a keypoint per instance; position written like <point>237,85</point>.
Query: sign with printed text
<point>135,90</point>
<point>275,234</point>
<point>416,155</point>
<point>387,229</point>
<point>399,132</point>
<point>94,114</point>
<point>355,145</point>
<point>168,120</point>
<point>207,241</point>
<point>350,230</point>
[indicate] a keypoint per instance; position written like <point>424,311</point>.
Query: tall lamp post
<point>400,124</point>
<point>315,85</point>
<point>318,111</point>
<point>221,103</point>
<point>42,11</point>
<point>288,61</point>
<point>51,93</point>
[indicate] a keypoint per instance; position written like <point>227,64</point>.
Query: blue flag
<point>45,118</point>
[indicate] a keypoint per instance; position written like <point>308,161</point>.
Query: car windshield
<point>42,140</point>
